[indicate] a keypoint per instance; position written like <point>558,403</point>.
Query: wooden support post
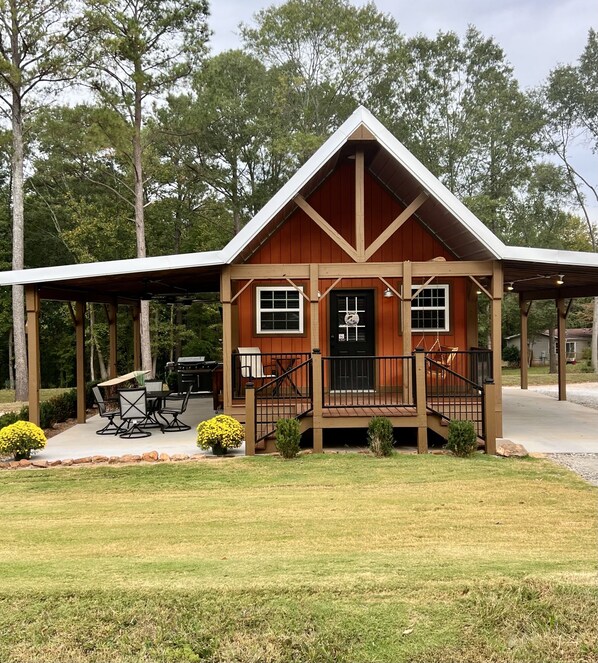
<point>227,342</point>
<point>359,206</point>
<point>420,402</point>
<point>490,418</point>
<point>111,314</point>
<point>136,315</point>
<point>80,355</point>
<point>317,391</point>
<point>406,318</point>
<point>524,308</point>
<point>250,422</point>
<point>314,306</point>
<point>33,354</point>
<point>562,349</point>
<point>496,340</point>
<point>472,315</point>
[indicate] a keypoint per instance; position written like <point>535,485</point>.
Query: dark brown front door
<point>352,339</point>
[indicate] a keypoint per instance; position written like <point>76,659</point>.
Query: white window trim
<point>446,308</point>
<point>259,310</point>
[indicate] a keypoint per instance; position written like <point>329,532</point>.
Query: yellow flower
<point>21,438</point>
<point>220,430</point>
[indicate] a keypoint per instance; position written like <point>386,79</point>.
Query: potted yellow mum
<point>220,434</point>
<point>20,439</point>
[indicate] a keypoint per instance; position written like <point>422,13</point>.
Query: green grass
<point>7,396</point>
<point>342,558</point>
<point>538,375</point>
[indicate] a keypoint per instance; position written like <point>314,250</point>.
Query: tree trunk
<point>551,351</point>
<point>18,251</point>
<point>146,345</point>
<point>595,337</point>
<point>11,359</point>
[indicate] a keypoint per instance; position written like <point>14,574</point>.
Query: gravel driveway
<point>586,465</point>
<point>585,393</point>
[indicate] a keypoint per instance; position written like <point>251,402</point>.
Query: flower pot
<point>23,455</point>
<point>219,450</point>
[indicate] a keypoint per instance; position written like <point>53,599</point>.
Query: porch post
<point>33,354</point>
<point>318,434</point>
<point>406,315</point>
<point>314,306</point>
<point>227,342</point>
<point>420,401</point>
<point>136,315</point>
<point>80,353</point>
<point>496,338</point>
<point>490,419</point>
<point>524,308</point>
<point>250,423</point>
<point>561,310</point>
<point>111,314</point>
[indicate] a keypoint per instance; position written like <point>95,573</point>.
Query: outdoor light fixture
<point>510,286</point>
<point>478,292</point>
<point>388,293</point>
<point>319,294</point>
<point>561,279</point>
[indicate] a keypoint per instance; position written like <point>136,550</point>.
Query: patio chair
<point>111,428</point>
<point>133,411</point>
<point>152,387</point>
<point>252,367</point>
<point>172,407</point>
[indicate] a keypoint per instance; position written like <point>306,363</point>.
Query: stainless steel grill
<point>194,371</point>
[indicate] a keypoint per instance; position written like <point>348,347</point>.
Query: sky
<point>536,35</point>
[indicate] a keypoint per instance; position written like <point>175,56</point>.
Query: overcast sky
<point>535,34</point>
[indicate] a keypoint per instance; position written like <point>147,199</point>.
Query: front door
<point>352,339</point>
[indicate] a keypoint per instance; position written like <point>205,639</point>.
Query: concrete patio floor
<point>81,440</point>
<point>545,425</point>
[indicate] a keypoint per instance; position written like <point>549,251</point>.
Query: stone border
<point>127,459</point>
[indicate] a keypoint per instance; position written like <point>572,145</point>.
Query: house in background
<point>352,293</point>
<point>578,340</point>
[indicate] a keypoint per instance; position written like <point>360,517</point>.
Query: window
<point>430,309</point>
<point>279,310</point>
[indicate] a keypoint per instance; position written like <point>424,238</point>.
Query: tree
<point>330,53</point>
<point>571,101</point>
<point>138,50</point>
<point>35,57</point>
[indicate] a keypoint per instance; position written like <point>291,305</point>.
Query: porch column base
<point>318,438</point>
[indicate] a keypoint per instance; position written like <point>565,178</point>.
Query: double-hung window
<point>279,310</point>
<point>430,309</point>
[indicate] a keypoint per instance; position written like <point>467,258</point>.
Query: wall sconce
<point>388,293</point>
<point>510,286</point>
<point>478,292</point>
<point>561,279</point>
<point>319,294</point>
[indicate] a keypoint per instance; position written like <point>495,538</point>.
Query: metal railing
<point>349,382</point>
<point>453,396</point>
<point>262,367</point>
<point>474,364</point>
<point>287,396</point>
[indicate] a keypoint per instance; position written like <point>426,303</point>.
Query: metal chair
<point>133,411</point>
<point>153,404</point>
<point>111,428</point>
<point>252,366</point>
<point>173,407</point>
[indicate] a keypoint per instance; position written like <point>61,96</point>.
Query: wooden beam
<point>422,286</point>
<point>361,133</point>
<point>420,402</point>
<point>299,289</point>
<point>314,306</point>
<point>250,419</point>
<point>112,315</point>
<point>326,292</point>
<point>251,271</point>
<point>32,303</point>
<point>136,315</point>
<point>497,288</point>
<point>242,290</point>
<point>480,286</point>
<point>391,229</point>
<point>360,206</point>
<point>387,284</point>
<point>317,400</point>
<point>562,349</point>
<point>227,343</point>
<point>406,318</point>
<point>472,316</point>
<point>450,268</point>
<point>490,417</point>
<point>80,361</point>
<point>326,227</point>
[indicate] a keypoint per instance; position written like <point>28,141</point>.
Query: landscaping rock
<point>68,461</point>
<point>176,457</point>
<point>164,458</point>
<point>5,464</point>
<point>130,458</point>
<point>54,463</point>
<point>150,456</point>
<point>114,459</point>
<point>24,463</point>
<point>14,464</point>
<point>100,459</point>
<point>81,461</point>
<point>39,463</point>
<point>508,449</point>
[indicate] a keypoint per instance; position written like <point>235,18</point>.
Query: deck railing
<point>475,365</point>
<point>453,396</point>
<point>358,381</point>
<point>262,367</point>
<point>287,396</point>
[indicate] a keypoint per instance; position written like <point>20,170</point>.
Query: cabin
<point>355,292</point>
<point>579,344</point>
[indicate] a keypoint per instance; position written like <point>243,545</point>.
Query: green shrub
<point>462,438</point>
<point>8,418</point>
<point>511,354</point>
<point>288,437</point>
<point>380,436</point>
<point>20,439</point>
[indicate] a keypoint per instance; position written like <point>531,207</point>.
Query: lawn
<point>539,375</point>
<point>7,398</point>
<point>342,558</point>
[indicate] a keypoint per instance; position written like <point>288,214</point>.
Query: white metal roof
<point>556,257</point>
